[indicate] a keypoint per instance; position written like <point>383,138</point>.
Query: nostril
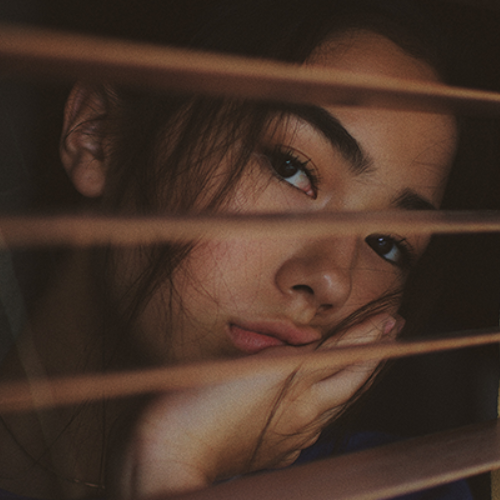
<point>303,288</point>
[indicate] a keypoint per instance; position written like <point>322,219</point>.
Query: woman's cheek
<point>226,272</point>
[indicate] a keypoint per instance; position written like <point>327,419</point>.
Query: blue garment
<point>7,495</point>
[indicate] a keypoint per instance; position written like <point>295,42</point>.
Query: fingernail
<point>389,324</point>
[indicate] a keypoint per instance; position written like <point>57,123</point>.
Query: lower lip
<point>251,342</point>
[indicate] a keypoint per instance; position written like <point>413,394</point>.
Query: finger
<point>286,461</point>
<point>371,329</point>
<point>375,328</point>
<point>336,391</point>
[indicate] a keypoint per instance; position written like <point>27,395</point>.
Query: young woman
<point>111,309</point>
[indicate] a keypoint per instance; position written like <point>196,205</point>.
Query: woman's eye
<point>289,168</point>
<point>396,251</point>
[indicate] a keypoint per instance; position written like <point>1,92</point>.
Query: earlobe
<point>82,143</point>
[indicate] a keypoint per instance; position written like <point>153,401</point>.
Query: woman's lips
<point>251,342</point>
<point>254,338</point>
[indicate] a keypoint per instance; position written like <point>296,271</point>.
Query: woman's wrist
<point>147,474</point>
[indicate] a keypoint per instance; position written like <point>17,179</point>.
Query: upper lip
<point>285,331</point>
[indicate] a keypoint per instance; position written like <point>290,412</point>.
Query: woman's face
<point>241,296</point>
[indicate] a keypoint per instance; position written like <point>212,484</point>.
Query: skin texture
<point>242,297</point>
<point>234,287</point>
<point>309,284</point>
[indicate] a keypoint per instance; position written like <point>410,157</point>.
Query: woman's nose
<point>318,277</point>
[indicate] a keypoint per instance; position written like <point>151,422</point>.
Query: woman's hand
<point>189,439</point>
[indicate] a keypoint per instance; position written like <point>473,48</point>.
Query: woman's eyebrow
<point>331,128</point>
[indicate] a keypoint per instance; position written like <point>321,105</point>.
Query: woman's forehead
<point>364,51</point>
<point>409,149</point>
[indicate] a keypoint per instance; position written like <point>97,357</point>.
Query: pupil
<point>286,168</point>
<point>384,245</point>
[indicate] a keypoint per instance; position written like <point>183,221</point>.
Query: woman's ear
<point>82,147</point>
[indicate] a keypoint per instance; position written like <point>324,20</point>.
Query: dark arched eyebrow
<point>333,130</point>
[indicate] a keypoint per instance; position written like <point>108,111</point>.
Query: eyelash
<point>407,257</point>
<point>288,156</point>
